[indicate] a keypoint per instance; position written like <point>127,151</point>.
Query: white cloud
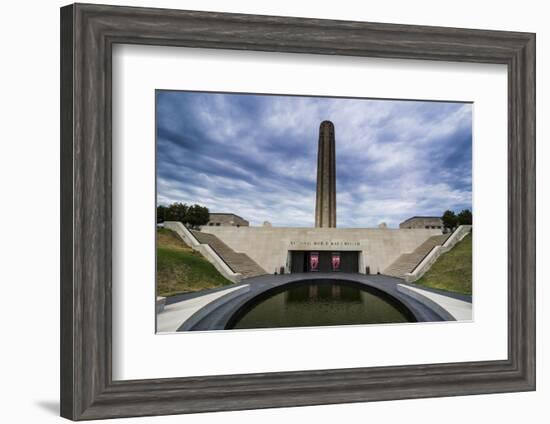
<point>256,156</point>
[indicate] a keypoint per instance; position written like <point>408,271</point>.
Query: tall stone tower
<point>325,206</point>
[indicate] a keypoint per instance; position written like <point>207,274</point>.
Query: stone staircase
<point>408,261</point>
<point>239,262</point>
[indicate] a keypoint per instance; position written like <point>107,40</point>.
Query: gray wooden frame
<point>88,33</point>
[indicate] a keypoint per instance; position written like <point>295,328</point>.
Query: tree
<point>196,216</point>
<point>193,216</point>
<point>161,213</point>
<point>177,212</point>
<point>465,217</point>
<point>449,219</point>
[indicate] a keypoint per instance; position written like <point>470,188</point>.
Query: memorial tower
<point>325,206</point>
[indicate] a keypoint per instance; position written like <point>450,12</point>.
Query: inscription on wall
<point>324,244</point>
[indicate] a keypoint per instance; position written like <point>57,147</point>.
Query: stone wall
<point>269,246</point>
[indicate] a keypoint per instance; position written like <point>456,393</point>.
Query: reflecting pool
<point>318,303</point>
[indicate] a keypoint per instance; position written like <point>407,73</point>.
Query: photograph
<point>285,210</point>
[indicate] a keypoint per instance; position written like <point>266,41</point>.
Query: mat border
<point>88,33</point>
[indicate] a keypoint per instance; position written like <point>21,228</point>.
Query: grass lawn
<point>453,270</point>
<point>180,269</point>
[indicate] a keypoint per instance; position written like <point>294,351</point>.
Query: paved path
<point>460,310</point>
<point>216,312</point>
<point>175,314</point>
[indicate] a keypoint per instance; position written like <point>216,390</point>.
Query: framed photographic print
<point>263,211</point>
<point>294,261</point>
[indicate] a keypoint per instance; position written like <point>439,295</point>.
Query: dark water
<point>318,303</point>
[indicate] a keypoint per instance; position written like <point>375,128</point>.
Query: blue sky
<point>256,156</point>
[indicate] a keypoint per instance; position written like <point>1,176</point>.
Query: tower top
<point>326,123</point>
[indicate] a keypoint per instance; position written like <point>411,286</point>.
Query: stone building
<point>424,222</point>
<point>226,220</point>
<point>324,247</point>
<point>364,250</point>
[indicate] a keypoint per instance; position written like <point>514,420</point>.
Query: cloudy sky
<point>255,155</point>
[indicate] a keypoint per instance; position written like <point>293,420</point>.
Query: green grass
<point>180,269</point>
<point>453,270</point>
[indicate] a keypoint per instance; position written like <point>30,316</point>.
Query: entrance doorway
<point>324,261</point>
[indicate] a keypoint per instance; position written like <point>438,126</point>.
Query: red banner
<point>314,261</point>
<point>336,261</point>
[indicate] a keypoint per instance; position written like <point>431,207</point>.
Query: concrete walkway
<point>459,310</point>
<point>175,314</point>
<point>215,310</point>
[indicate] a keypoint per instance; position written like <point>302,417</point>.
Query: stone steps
<point>407,262</point>
<point>239,262</point>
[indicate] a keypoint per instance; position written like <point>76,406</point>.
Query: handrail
<point>221,257</point>
<point>430,251</point>
<point>425,256</point>
<point>190,232</point>
<point>215,251</point>
<point>192,235</point>
<point>450,234</point>
<point>442,245</point>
